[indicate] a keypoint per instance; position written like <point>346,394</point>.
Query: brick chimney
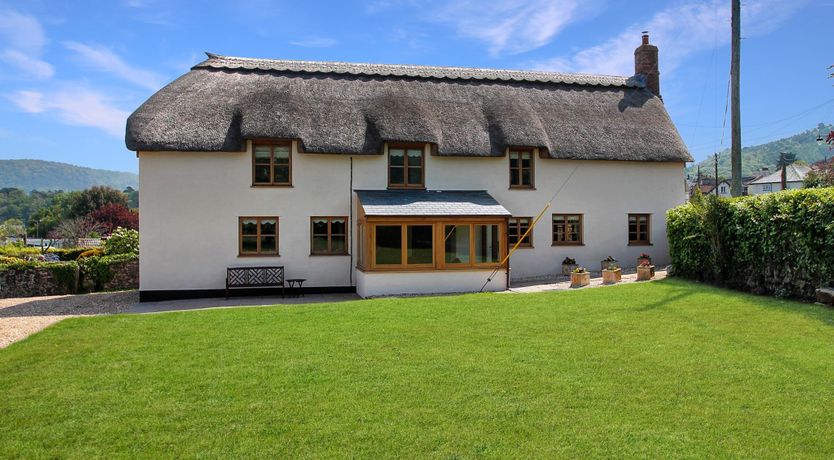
<point>645,63</point>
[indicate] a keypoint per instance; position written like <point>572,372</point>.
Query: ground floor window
<point>258,236</point>
<point>567,229</point>
<point>328,235</point>
<point>516,228</point>
<point>639,229</point>
<point>434,244</point>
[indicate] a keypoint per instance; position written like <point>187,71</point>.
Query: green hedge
<point>777,243</point>
<point>22,252</point>
<point>96,270</point>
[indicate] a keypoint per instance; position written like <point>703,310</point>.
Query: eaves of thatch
<point>343,108</point>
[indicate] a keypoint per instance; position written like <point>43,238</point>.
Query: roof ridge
<point>418,71</point>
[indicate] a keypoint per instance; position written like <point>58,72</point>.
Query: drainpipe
<point>351,224</point>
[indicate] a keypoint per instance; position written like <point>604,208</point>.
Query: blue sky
<point>71,72</point>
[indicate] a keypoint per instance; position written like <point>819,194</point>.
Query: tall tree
<point>94,198</point>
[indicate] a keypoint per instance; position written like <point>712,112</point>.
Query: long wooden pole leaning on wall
<point>530,229</point>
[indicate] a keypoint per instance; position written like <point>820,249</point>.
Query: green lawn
<point>669,368</point>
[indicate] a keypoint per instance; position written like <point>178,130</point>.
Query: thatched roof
<point>355,108</point>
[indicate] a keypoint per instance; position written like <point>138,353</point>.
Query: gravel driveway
<point>22,317</point>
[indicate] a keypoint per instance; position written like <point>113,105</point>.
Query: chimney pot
<point>645,38</point>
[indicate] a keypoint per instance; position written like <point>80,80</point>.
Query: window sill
<point>328,254</point>
<point>640,244</point>
<point>259,255</point>
<point>568,244</point>
<point>521,187</point>
<point>403,187</point>
<point>272,186</point>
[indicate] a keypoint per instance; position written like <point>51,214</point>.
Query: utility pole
<point>715,184</point>
<point>735,158</point>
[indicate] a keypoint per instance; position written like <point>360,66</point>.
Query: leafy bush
<point>95,252</point>
<point>97,270</point>
<point>122,241</point>
<point>778,243</point>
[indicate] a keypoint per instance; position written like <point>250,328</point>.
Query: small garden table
<point>297,284</point>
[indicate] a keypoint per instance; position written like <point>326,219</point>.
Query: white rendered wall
<point>758,189</point>
<point>371,284</point>
<point>190,203</point>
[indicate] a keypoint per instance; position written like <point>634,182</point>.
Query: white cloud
<point>679,31</point>
<point>509,26</point>
<point>315,42</point>
<point>33,66</point>
<point>24,41</point>
<point>105,60</point>
<point>74,105</point>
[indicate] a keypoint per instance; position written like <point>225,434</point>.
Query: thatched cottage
<point>389,179</point>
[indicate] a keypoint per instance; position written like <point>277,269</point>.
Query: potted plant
<point>645,271</point>
<point>643,257</point>
<point>568,265</point>
<point>608,261</point>
<point>580,277</point>
<point>612,274</point>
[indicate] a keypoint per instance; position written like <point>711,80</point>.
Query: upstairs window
<point>516,229</point>
<point>639,229</point>
<point>521,168</point>
<point>271,164</point>
<point>406,166</point>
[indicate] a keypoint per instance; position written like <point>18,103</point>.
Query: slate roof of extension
<point>343,108</point>
<point>429,203</point>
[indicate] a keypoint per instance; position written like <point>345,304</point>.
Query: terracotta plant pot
<point>567,269</point>
<point>645,273</point>
<point>612,276</point>
<point>578,280</point>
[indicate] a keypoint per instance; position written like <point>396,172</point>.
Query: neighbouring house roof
<point>429,203</point>
<point>794,173</point>
<point>346,108</point>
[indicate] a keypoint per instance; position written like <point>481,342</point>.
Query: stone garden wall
<point>33,282</point>
<point>60,278</point>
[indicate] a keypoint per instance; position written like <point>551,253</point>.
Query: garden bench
<point>254,277</point>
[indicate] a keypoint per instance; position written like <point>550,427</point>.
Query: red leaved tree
<point>115,215</point>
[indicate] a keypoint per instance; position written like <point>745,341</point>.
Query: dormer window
<point>521,168</point>
<point>272,163</point>
<point>406,166</point>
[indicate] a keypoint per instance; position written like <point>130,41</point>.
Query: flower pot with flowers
<point>608,261</point>
<point>612,274</point>
<point>568,265</point>
<point>645,271</point>
<point>643,257</point>
<point>580,277</point>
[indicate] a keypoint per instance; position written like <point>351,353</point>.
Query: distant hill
<point>804,145</point>
<point>49,175</point>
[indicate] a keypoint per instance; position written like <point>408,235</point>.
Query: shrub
<point>122,241</point>
<point>95,252</point>
<point>98,271</point>
<point>778,243</point>
<point>569,261</point>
